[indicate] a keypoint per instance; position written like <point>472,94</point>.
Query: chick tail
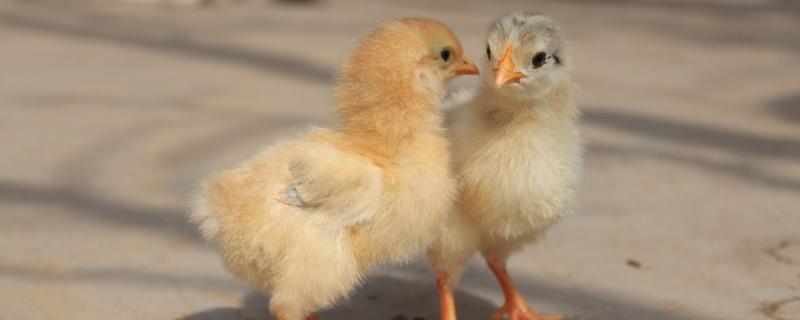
<point>205,207</point>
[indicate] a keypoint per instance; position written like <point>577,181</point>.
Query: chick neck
<point>384,118</point>
<point>499,110</point>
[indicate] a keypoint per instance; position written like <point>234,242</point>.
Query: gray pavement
<point>110,113</point>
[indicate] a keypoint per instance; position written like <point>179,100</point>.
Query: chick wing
<point>345,188</point>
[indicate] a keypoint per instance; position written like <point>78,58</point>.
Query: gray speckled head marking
<point>527,27</point>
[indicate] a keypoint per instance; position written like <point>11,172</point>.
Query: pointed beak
<point>466,67</point>
<point>506,71</point>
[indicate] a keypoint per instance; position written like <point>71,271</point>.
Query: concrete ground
<point>109,114</point>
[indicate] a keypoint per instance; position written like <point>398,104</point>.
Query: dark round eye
<point>445,54</point>
<point>539,59</point>
<point>488,52</point>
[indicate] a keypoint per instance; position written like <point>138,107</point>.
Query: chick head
<point>526,56</point>
<point>439,53</point>
<point>403,58</point>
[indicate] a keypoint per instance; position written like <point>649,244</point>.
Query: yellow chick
<point>517,153</point>
<point>305,219</point>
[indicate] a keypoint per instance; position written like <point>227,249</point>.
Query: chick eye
<point>488,52</point>
<point>445,54</point>
<point>539,59</point>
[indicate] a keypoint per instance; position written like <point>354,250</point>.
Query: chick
<point>517,153</point>
<point>305,219</point>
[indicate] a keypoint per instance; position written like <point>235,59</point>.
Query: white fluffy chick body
<point>517,153</point>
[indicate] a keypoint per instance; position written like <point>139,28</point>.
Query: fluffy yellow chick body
<point>305,219</point>
<point>517,152</point>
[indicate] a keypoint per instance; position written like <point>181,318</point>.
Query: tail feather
<point>205,213</point>
<point>200,213</point>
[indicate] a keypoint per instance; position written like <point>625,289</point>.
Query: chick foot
<point>515,306</point>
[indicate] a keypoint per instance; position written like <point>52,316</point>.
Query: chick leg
<point>515,305</point>
<point>447,303</point>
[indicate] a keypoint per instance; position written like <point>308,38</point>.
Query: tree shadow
<point>122,275</point>
<point>786,108</point>
<point>723,23</point>
<point>697,135</point>
<point>267,61</point>
<point>723,139</point>
<point>726,8</point>
<point>76,175</point>
<point>170,220</point>
<point>744,171</point>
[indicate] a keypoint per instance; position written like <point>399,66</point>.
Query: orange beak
<point>466,67</point>
<point>506,72</point>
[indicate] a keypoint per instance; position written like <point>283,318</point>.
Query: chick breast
<point>516,179</point>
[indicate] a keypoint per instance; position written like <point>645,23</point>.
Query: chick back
<point>319,252</point>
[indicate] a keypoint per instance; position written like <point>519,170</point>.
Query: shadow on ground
<point>391,298</point>
<point>170,220</point>
<point>695,134</point>
<point>727,16</point>
<point>786,108</point>
<point>108,32</point>
<point>119,275</point>
<point>382,298</point>
<point>742,145</point>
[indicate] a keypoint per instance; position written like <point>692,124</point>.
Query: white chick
<point>517,153</point>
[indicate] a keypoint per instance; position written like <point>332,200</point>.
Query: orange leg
<point>515,305</point>
<point>447,303</point>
